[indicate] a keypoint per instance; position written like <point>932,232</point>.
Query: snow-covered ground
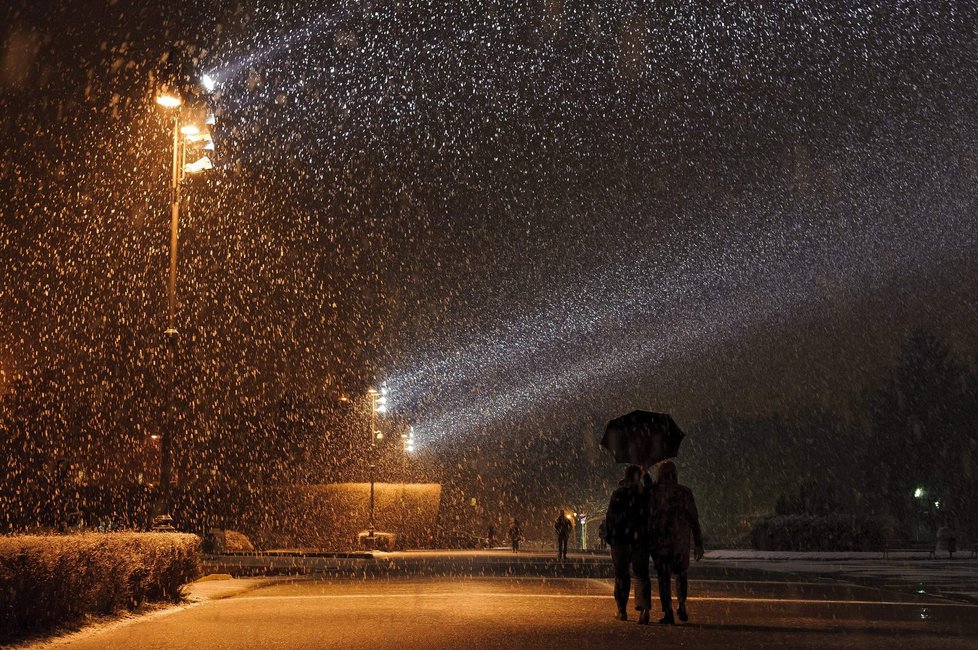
<point>210,587</point>
<point>956,579</point>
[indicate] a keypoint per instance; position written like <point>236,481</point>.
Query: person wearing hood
<point>673,521</point>
<point>626,530</point>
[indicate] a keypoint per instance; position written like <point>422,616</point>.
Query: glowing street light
<point>380,405</point>
<point>168,100</point>
<point>919,493</point>
<point>202,165</point>
<point>409,440</point>
<point>208,82</point>
<point>186,135</point>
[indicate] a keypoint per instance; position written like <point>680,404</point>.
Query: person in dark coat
<point>491,536</point>
<point>626,529</point>
<point>672,521</point>
<point>515,535</point>
<point>563,527</point>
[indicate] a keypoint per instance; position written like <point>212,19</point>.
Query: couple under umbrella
<point>647,518</point>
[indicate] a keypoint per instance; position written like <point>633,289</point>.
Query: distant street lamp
<point>378,404</point>
<point>186,135</point>
<point>408,439</point>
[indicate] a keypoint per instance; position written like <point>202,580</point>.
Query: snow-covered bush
<point>48,580</point>
<point>237,542</point>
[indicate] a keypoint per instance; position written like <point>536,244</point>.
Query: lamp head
<point>168,99</point>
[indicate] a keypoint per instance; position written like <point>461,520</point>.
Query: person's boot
<point>668,619</point>
<point>643,617</point>
<point>622,615</point>
<point>683,616</point>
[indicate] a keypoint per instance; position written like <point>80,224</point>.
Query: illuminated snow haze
<point>506,210</point>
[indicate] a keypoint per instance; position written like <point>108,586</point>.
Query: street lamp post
<point>378,404</point>
<point>183,134</point>
<point>373,395</point>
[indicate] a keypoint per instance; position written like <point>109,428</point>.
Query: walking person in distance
<point>563,528</point>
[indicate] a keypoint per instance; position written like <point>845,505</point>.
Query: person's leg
<point>664,571</point>
<point>643,582</point>
<point>623,581</point>
<point>565,540</point>
<point>682,590</point>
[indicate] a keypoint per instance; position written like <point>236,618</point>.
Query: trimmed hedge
<point>819,533</point>
<point>50,580</point>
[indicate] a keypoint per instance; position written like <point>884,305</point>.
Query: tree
<point>921,456</point>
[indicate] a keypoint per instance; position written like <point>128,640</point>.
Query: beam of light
<point>620,326</point>
<point>272,46</point>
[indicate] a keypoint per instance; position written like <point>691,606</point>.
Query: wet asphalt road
<point>535,612</point>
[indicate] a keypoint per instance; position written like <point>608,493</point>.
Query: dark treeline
<point>906,452</point>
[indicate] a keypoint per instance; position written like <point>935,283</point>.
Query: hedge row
<point>50,580</point>
<point>819,533</point>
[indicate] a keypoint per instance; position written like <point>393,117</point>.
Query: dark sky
<point>558,208</point>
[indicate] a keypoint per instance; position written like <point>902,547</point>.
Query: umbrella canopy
<point>642,438</point>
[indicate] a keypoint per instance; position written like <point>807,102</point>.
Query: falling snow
<point>525,218</point>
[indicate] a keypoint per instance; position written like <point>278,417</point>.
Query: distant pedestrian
<point>626,530</point>
<point>563,527</point>
<point>947,538</point>
<point>603,535</point>
<point>515,535</point>
<point>491,536</point>
<point>673,520</point>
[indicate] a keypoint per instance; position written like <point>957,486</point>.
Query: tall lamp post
<point>378,404</point>
<point>186,136</point>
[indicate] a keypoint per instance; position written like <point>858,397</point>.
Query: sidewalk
<point>909,573</point>
<point>216,586</point>
<point>955,579</point>
<point>824,556</point>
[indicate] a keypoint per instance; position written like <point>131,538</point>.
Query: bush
<point>238,542</point>
<point>50,580</point>
<point>819,533</point>
<point>218,541</point>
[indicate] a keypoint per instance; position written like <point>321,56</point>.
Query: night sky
<point>511,212</point>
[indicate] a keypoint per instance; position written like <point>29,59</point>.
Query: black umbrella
<point>642,438</point>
